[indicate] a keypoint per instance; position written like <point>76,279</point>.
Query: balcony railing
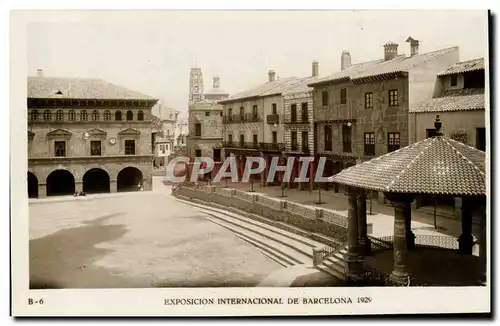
<point>273,118</point>
<point>298,120</point>
<point>238,118</point>
<point>259,146</point>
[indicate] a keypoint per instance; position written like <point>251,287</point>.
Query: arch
<point>96,181</point>
<point>60,182</point>
<point>59,115</point>
<point>140,115</point>
<point>47,115</point>
<point>71,115</point>
<point>34,115</point>
<point>129,179</point>
<point>118,115</point>
<point>107,115</point>
<point>32,185</point>
<point>95,115</point>
<point>83,115</point>
<point>130,115</point>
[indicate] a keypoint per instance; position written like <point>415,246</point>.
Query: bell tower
<point>195,85</point>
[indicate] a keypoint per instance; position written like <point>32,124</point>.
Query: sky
<point>152,51</point>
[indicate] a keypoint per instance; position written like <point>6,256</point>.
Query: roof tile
<point>456,100</point>
<point>465,66</point>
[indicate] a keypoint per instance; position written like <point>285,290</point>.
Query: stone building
<point>205,124</point>
<point>362,111</point>
<point>460,103</point>
<point>165,137</point>
<point>87,135</point>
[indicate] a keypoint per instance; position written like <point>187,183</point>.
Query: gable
<point>97,132</point>
<point>59,133</point>
<point>129,131</point>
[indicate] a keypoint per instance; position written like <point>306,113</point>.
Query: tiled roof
<point>266,89</point>
<point>80,88</point>
<point>437,165</point>
<point>348,72</point>
<point>459,100</point>
<point>302,86</point>
<point>461,67</point>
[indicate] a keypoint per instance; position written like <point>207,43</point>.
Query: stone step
<point>290,253</point>
<point>333,273</point>
<point>336,265</point>
<point>272,233</point>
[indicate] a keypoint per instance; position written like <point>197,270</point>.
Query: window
<point>293,111</point>
<point>324,95</point>
<point>295,145</point>
<point>275,137</point>
<point>346,139</point>
<point>328,138</point>
<point>221,113</point>
<point>130,115</point>
<point>230,139</point>
<point>95,148</point>
<point>83,115</point>
<point>95,115</point>
<point>368,100</point>
<point>305,141</point>
<point>369,143</point>
<point>107,115</point>
<point>255,140</point>
<point>393,97</point>
<point>392,141</point>
<point>242,113</point>
<point>163,149</point>
<point>197,153</point>
<point>60,148</point>
<point>304,112</point>
<point>274,108</point>
<point>60,115</point>
<point>481,139</point>
<point>71,115</point>
<point>343,96</point>
<point>242,140</point>
<point>129,147</point>
<point>34,115</point>
<point>229,114</point>
<point>47,115</point>
<point>140,115</point>
<point>453,80</point>
<point>118,115</point>
<point>255,112</point>
<point>207,113</point>
<point>197,129</point>
<point>430,133</point>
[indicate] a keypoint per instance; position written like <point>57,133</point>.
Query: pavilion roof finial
<point>438,125</point>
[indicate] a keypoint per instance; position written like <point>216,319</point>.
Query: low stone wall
<point>305,217</point>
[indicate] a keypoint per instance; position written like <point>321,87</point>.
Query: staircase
<point>335,264</point>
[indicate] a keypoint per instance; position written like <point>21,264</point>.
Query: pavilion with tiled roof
<point>437,165</point>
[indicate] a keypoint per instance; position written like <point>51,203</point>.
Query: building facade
<point>165,135</point>
<point>87,135</point>
<point>363,111</point>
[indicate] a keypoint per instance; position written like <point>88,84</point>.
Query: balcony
<point>257,146</point>
<point>298,120</point>
<point>238,118</point>
<point>273,118</point>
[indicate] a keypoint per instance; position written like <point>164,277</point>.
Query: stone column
<point>364,241</point>
<point>466,241</point>
<point>353,257</point>
<point>113,185</point>
<point>410,236</point>
<point>42,190</point>
<point>400,273</point>
<point>78,186</point>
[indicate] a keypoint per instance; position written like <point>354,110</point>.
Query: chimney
<point>272,75</point>
<point>39,72</point>
<point>390,51</point>
<point>216,82</point>
<point>413,45</point>
<point>315,68</point>
<point>345,60</point>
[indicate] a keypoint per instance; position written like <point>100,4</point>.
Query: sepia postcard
<point>250,163</point>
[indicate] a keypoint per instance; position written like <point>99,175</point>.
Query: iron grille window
<point>95,148</point>
<point>107,115</point>
<point>60,115</point>
<point>393,142</point>
<point>305,141</point>
<point>130,115</point>
<point>453,80</point>
<point>47,115</point>
<point>295,145</point>
<point>369,143</point>
<point>60,148</point>
<point>368,100</point>
<point>118,115</point>
<point>324,95</point>
<point>34,115</point>
<point>71,115</point>
<point>129,147</point>
<point>275,137</point>
<point>274,108</point>
<point>343,96</point>
<point>346,139</point>
<point>197,131</point>
<point>328,138</point>
<point>83,115</point>
<point>140,115</point>
<point>393,97</point>
<point>293,111</point>
<point>304,113</point>
<point>95,115</point>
